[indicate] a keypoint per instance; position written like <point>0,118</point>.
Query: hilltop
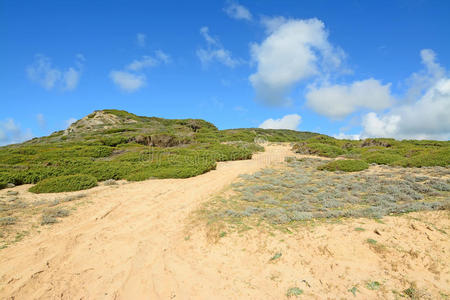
<point>115,144</point>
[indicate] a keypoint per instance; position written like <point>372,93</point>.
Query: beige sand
<point>132,243</point>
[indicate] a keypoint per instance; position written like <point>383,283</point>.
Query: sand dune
<point>132,242</point>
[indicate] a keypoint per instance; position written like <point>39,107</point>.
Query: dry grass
<point>20,215</point>
<point>298,194</point>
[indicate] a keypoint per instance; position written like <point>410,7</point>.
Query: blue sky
<point>345,68</point>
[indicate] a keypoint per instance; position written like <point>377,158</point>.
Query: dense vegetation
<point>67,183</point>
<point>114,144</point>
<point>406,153</point>
<point>346,165</point>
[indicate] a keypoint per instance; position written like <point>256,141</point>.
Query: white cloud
<point>69,122</point>
<point>41,121</point>
<point>420,81</point>
<point>70,79</point>
<point>11,133</point>
<point>145,62</point>
<point>132,77</point>
<point>45,74</point>
<point>237,11</point>
<point>141,39</point>
<point>344,136</point>
<point>163,57</point>
<point>428,118</point>
<point>215,51</point>
<point>148,61</point>
<point>425,116</point>
<point>127,81</point>
<point>338,101</point>
<point>293,51</point>
<point>286,122</point>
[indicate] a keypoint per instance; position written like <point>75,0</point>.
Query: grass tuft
<point>294,292</point>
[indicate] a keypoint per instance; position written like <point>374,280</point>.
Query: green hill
<point>115,144</point>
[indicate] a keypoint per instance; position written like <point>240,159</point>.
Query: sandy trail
<point>131,243</point>
<point>125,246</point>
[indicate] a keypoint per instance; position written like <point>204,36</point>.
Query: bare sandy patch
<point>135,241</point>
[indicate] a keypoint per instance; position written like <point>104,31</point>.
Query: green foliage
<point>371,241</point>
<point>181,148</point>
<point>270,135</point>
<point>373,285</point>
<point>294,291</point>
<point>64,184</point>
<point>319,149</point>
<point>276,256</point>
<point>353,290</point>
<point>346,165</point>
<point>382,158</point>
<point>114,140</point>
<point>406,153</point>
<point>440,157</point>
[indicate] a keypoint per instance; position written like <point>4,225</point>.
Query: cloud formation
<point>428,118</point>
<point>132,77</point>
<point>293,51</point>
<point>69,122</point>
<point>424,117</point>
<point>127,81</point>
<point>141,39</point>
<point>11,133</point>
<point>41,121</point>
<point>286,122</point>
<point>237,11</point>
<point>144,62</point>
<point>42,72</point>
<point>214,51</point>
<point>339,100</point>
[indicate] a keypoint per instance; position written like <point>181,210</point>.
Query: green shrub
<point>346,165</point>
<point>172,171</point>
<point>382,158</point>
<point>64,184</point>
<point>114,140</point>
<point>319,149</point>
<point>439,157</point>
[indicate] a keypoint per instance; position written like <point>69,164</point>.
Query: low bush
<point>382,158</point>
<point>64,184</point>
<point>439,157</point>
<point>51,216</point>
<point>346,165</point>
<point>319,149</point>
<point>302,193</point>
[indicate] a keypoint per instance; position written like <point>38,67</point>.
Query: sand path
<point>131,243</point>
<point>126,245</point>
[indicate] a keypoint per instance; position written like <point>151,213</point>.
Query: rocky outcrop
<point>98,120</point>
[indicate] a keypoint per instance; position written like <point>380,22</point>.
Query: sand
<point>135,241</point>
